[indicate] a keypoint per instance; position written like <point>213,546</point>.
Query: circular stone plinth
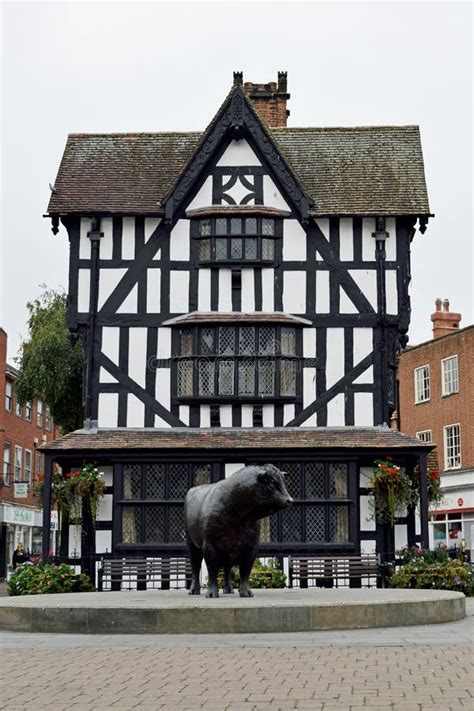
<point>175,612</point>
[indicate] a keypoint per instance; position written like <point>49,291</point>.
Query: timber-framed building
<point>241,294</point>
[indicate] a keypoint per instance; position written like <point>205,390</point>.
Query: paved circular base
<point>175,612</point>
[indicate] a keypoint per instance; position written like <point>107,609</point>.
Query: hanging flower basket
<point>433,480</point>
<point>70,490</point>
<point>393,490</point>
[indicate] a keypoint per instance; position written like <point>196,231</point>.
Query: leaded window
<point>236,239</point>
<point>153,498</point>
<point>236,361</point>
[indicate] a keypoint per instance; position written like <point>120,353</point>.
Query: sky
<point>109,67</point>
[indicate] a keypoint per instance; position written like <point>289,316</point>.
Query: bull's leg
<point>210,556</point>
<point>228,589</point>
<point>245,564</point>
<point>195,556</point>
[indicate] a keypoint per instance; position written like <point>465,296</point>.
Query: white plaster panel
<point>247,416</point>
<point>363,409</point>
<point>346,239</point>
<point>74,541</point>
<point>268,290</point>
<point>248,290</point>
<point>225,290</point>
<point>294,241</point>
<point>391,242</point>
<point>334,356</point>
<point>84,241</point>
<point>322,292</point>
<point>204,290</point>
<point>160,423</point>
<point>151,223</point>
<point>128,238</point>
<point>368,547</point>
<point>226,415</point>
<point>238,153</point>
<point>323,224</point>
<point>84,278</point>
<point>164,342</point>
<point>184,414</point>
<point>272,196</point>
<point>110,343</point>
<point>135,411</point>
<point>179,292</point>
<point>108,410</point>
<point>401,536</point>
<point>179,241</point>
<point>205,416</point>
<point>368,242</point>
<point>130,304</point>
<point>104,508</point>
<point>367,377</point>
<point>107,474</point>
<point>391,291</point>
<point>364,477</point>
<point>203,198</point>
<point>137,363</point>
<point>153,294</point>
<point>288,412</point>
<point>336,414</point>
<point>294,292</point>
<point>309,343</point>
<point>157,256</point>
<point>163,387</point>
<point>268,415</point>
<point>366,280</point>
<point>231,468</point>
<point>106,243</point>
<point>363,343</point>
<point>367,523</point>
<point>346,305</point>
<point>105,377</point>
<point>103,541</point>
<point>309,386</point>
<point>108,281</point>
<point>238,192</point>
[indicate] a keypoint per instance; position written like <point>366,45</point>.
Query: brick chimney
<point>444,321</point>
<point>269,99</point>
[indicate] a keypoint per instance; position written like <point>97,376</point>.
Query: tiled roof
<point>352,171</point>
<point>237,438</point>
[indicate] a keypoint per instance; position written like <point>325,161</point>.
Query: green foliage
<point>432,570</point>
<point>51,367</point>
<point>71,489</point>
<point>42,576</point>
<point>263,575</point>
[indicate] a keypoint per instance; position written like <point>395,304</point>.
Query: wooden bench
<point>332,571</point>
<point>143,573</point>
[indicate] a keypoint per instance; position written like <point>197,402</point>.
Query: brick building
<point>22,430</point>
<point>436,398</point>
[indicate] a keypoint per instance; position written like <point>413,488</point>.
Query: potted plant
<point>392,490</point>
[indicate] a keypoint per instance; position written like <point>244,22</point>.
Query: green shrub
<point>268,575</point>
<point>41,577</point>
<point>426,574</point>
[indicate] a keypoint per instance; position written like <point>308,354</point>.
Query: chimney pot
<point>438,304</point>
<point>444,321</point>
<point>446,305</point>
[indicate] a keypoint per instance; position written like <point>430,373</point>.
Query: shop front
<point>19,524</point>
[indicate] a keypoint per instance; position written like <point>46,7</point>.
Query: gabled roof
<point>343,171</point>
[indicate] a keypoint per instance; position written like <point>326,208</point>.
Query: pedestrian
<point>19,556</point>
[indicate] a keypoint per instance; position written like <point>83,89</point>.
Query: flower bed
<point>42,575</point>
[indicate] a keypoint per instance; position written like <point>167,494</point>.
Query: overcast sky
<point>99,67</point>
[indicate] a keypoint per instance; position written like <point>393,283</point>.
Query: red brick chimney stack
<point>444,321</point>
<point>268,99</point>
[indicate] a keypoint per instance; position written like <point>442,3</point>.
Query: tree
<point>51,365</point>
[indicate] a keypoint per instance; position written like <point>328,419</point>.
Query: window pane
<point>266,341</point>
<point>247,378</point>
<point>131,524</point>
<point>226,340</point>
<point>206,341</point>
<point>201,474</point>
<point>176,524</point>
<point>450,375</point>
<point>154,524</point>
<point>251,226</point>
<point>132,481</point>
<point>221,226</point>
<point>288,341</point>
<point>315,480</point>
<point>185,377</point>
<point>235,226</point>
<point>251,248</point>
<point>293,479</point>
<point>422,383</point>
<point>226,377</point>
<point>206,378</point>
<point>204,249</point>
<point>236,248</point>
<point>247,340</point>
<point>177,481</point>
<point>452,443</point>
<point>185,342</point>
<point>266,378</point>
<point>338,524</point>
<point>205,228</point>
<point>315,524</point>
<point>27,465</point>
<point>267,248</point>
<point>268,226</point>
<point>291,524</point>
<point>288,377</point>
<point>155,481</point>
<point>338,480</point>
<point>221,248</point>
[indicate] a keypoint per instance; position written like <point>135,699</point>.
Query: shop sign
<point>460,502</point>
<point>20,490</point>
<point>15,514</point>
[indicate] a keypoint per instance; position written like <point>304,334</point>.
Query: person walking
<point>19,556</point>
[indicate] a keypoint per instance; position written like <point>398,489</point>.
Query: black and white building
<point>241,294</point>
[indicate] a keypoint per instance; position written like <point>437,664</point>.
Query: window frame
<point>258,235</point>
<point>18,469</point>
<point>448,457</point>
<point>8,396</point>
<point>27,471</point>
<point>418,399</point>
<point>444,372</point>
<point>422,439</point>
<point>7,465</point>
<point>48,420</point>
<point>40,413</point>
<point>29,410</point>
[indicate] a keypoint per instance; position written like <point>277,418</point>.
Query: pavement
<point>420,668</point>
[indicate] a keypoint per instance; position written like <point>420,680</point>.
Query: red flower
<point>68,474</point>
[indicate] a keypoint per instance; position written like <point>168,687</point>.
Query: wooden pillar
<point>424,500</point>
<point>48,473</point>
